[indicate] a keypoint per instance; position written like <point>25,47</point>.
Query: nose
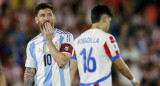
<point>46,18</point>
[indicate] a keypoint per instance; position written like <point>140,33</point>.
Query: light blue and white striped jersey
<point>48,73</point>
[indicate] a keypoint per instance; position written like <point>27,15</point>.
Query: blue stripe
<point>61,40</point>
<point>55,31</point>
<point>100,80</point>
<point>73,58</point>
<point>36,80</point>
<point>61,31</point>
<point>61,68</point>
<point>69,64</point>
<point>47,68</point>
<point>32,51</point>
<point>115,57</point>
<point>69,37</point>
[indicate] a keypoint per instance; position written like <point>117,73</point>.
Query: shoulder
<point>32,41</point>
<point>110,38</point>
<point>108,35</point>
<point>62,32</point>
<point>102,33</point>
<point>36,38</point>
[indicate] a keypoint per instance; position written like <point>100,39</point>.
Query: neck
<point>99,26</point>
<point>96,25</point>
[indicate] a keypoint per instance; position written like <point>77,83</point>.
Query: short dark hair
<point>98,11</point>
<point>43,6</point>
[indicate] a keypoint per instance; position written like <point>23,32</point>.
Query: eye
<point>49,14</point>
<point>42,15</point>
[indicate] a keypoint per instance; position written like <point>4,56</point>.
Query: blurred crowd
<point>135,25</point>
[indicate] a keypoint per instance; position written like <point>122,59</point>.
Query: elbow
<point>62,63</point>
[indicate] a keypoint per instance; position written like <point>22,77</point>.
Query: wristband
<point>134,80</point>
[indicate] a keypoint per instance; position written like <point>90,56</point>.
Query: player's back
<point>94,64</point>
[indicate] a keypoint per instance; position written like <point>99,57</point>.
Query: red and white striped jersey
<point>94,51</point>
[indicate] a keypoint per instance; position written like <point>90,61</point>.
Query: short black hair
<point>98,11</point>
<point>43,6</point>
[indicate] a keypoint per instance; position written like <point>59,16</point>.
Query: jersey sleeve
<point>29,60</point>
<point>74,56</point>
<point>111,48</point>
<point>67,45</point>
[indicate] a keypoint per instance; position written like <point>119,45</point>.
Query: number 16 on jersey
<point>88,60</point>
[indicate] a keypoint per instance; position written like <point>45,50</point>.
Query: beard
<point>42,23</point>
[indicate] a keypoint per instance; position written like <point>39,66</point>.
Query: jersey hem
<point>100,80</point>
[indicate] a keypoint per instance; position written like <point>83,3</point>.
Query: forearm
<point>126,72</point>
<point>61,58</point>
<point>72,76</point>
<point>29,77</point>
<point>73,71</point>
<point>123,68</point>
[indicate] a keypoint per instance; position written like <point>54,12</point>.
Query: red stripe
<point>74,54</point>
<point>117,52</point>
<point>112,40</point>
<point>107,50</point>
<point>96,84</point>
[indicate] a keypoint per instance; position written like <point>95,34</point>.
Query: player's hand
<point>47,32</point>
<point>137,83</point>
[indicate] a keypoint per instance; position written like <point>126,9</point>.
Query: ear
<point>103,18</point>
<point>36,20</point>
<point>54,18</point>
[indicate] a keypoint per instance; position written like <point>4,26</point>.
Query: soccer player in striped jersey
<point>95,50</point>
<point>48,54</point>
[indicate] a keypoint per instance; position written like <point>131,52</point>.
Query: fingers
<point>50,26</point>
<point>47,28</point>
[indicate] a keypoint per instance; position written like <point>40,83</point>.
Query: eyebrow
<point>42,14</point>
<point>45,13</point>
<point>49,13</point>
